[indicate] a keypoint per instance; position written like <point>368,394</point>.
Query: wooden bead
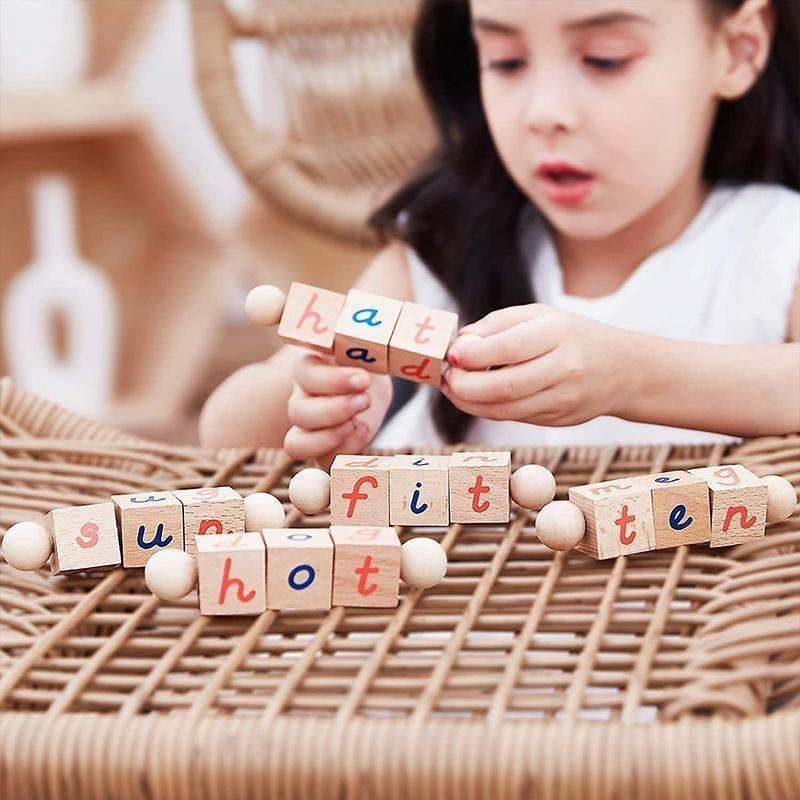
<point>310,491</point>
<point>532,486</point>
<point>27,545</point>
<point>781,498</point>
<point>264,305</point>
<point>423,562</point>
<point>560,525</point>
<point>170,574</point>
<point>263,510</point>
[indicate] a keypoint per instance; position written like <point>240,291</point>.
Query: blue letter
<point>302,568</point>
<point>359,354</point>
<point>369,319</point>
<point>157,541</point>
<point>665,479</point>
<point>420,462</point>
<point>676,521</point>
<point>151,499</point>
<point>417,509</point>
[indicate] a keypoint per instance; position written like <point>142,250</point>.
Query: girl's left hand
<point>550,367</point>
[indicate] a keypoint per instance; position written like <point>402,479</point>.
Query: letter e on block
<point>360,490</point>
<point>231,574</point>
<point>309,317</point>
<point>84,538</point>
<point>148,522</point>
<point>366,567</point>
<point>479,487</point>
<point>299,568</point>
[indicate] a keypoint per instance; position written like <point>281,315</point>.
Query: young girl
<point>612,203</point>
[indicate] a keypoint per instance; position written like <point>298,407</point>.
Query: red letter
<point>609,488</point>
<point>725,473</point>
<point>89,531</point>
<point>363,572</point>
<point>205,524</point>
<point>365,534</point>
<point>476,491</point>
<point>423,326</point>
<point>416,370</point>
<point>227,582</point>
<point>209,493</point>
<point>357,495</point>
<point>744,522</point>
<point>622,523</point>
<point>484,459</point>
<point>316,320</point>
<point>370,462</point>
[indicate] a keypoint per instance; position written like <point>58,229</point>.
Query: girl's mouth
<point>565,184</point>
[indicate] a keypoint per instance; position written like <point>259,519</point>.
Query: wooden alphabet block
<point>619,518</point>
<point>84,537</point>
<point>299,568</point>
<point>479,487</point>
<point>231,574</point>
<point>738,503</point>
<point>360,490</point>
<point>364,329</point>
<point>419,343</point>
<point>210,510</point>
<point>309,316</point>
<point>366,567</point>
<point>418,490</point>
<point>148,522</point>
<point>681,513</point>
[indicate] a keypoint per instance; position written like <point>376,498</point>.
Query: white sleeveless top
<point>728,278</point>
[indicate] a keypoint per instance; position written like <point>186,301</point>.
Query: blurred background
<point>158,158</point>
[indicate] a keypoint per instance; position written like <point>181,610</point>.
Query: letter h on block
<point>231,574</point>
<point>309,317</point>
<point>360,490</point>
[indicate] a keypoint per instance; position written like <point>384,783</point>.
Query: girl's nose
<point>550,107</point>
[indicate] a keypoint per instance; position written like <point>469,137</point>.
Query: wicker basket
<point>670,674</point>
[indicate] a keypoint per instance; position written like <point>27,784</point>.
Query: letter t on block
<point>231,571</point>
<point>479,487</point>
<point>360,490</point>
<point>366,567</point>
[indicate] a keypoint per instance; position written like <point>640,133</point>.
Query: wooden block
<point>148,522</point>
<point>418,490</point>
<point>738,503</point>
<point>84,537</point>
<point>366,567</point>
<point>231,574</point>
<point>681,513</point>
<point>419,343</point>
<point>479,487</point>
<point>309,316</point>
<point>360,490</point>
<point>299,568</point>
<point>364,329</point>
<point>619,518</point>
<point>210,510</point>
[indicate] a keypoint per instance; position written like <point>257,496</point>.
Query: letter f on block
<point>357,494</point>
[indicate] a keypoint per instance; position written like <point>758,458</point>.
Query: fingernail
<point>359,381</point>
<point>453,357</point>
<point>345,427</point>
<point>359,401</point>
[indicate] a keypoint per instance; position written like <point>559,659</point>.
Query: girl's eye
<point>506,65</point>
<point>605,64</point>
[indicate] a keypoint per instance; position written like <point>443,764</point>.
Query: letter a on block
<point>231,574</point>
<point>364,329</point>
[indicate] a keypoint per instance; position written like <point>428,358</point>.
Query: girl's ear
<point>744,41</point>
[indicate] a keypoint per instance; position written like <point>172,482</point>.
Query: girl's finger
<point>522,342</point>
<point>316,413</point>
<point>504,318</point>
<point>301,444</point>
<point>526,409</point>
<point>318,376</point>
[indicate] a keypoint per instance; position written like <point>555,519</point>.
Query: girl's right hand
<point>333,409</point>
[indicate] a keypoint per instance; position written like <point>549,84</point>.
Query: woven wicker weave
<point>668,674</point>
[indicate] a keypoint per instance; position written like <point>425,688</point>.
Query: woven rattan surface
<point>524,674</point>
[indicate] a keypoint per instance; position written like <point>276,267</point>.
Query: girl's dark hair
<point>460,212</point>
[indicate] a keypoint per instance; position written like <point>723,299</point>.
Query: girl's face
<point>623,91</point>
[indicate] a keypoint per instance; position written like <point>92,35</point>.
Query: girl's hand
<point>551,367</point>
<point>333,409</point>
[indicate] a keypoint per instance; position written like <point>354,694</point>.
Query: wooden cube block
<point>419,343</point>
<point>231,574</point>
<point>364,329</point>
<point>619,518</point>
<point>309,316</point>
<point>210,510</point>
<point>681,513</point>
<point>148,522</point>
<point>738,503</point>
<point>366,567</point>
<point>299,568</point>
<point>360,490</point>
<point>418,490</point>
<point>479,487</point>
<point>84,537</point>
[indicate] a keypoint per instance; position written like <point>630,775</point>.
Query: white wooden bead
<point>264,305</point>
<point>781,498</point>
<point>170,574</point>
<point>27,545</point>
<point>532,486</point>
<point>560,525</point>
<point>423,562</point>
<point>263,510</point>
<point>310,490</point>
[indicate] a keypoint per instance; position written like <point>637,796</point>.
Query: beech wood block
<point>309,317</point>
<point>360,490</point>
<point>299,568</point>
<point>210,510</point>
<point>148,522</point>
<point>366,567</point>
<point>419,343</point>
<point>418,490</point>
<point>738,503</point>
<point>231,574</point>
<point>619,518</point>
<point>479,487</point>
<point>364,329</point>
<point>84,537</point>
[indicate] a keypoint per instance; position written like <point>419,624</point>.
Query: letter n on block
<point>479,487</point>
<point>738,503</point>
<point>148,522</point>
<point>366,567</point>
<point>299,568</point>
<point>360,490</point>
<point>210,510</point>
<point>619,518</point>
<point>231,574</point>
<point>84,538</point>
<point>309,317</point>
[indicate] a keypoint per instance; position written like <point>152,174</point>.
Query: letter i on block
<point>479,487</point>
<point>211,510</point>
<point>738,503</point>
<point>299,568</point>
<point>366,567</point>
<point>309,316</point>
<point>231,574</point>
<point>148,522</point>
<point>360,490</point>
<point>84,537</point>
<point>418,490</point>
<point>364,329</point>
<point>619,518</point>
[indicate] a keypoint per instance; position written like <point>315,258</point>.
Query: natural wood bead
<point>532,486</point>
<point>560,525</point>
<point>781,498</point>
<point>27,545</point>
<point>423,562</point>
<point>310,491</point>
<point>263,510</point>
<point>264,305</point>
<point>170,574</point>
